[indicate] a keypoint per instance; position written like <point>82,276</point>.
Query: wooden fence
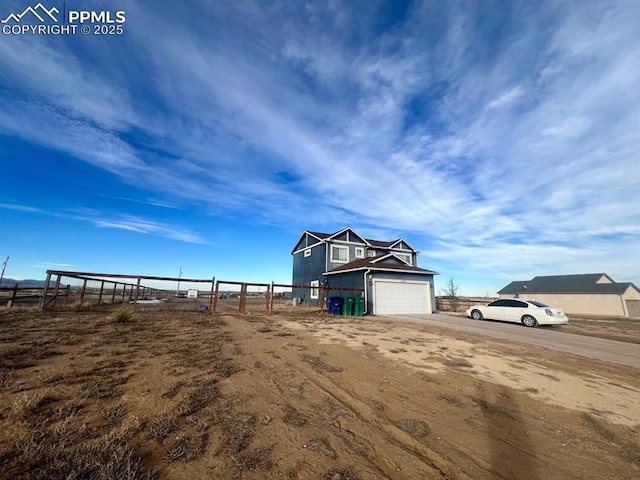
<point>66,289</point>
<point>246,300</point>
<point>459,304</point>
<point>27,294</point>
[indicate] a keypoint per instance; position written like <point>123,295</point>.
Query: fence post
<point>322,298</point>
<point>45,290</point>
<point>66,294</point>
<point>268,297</point>
<point>124,290</point>
<point>113,294</point>
<point>56,289</point>
<point>135,301</point>
<point>273,293</point>
<point>101,290</point>
<point>14,294</point>
<point>84,290</point>
<point>212,296</point>
<point>215,297</point>
<point>243,297</point>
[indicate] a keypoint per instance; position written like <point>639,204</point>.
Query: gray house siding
<point>306,269</point>
<point>352,254</point>
<point>346,280</point>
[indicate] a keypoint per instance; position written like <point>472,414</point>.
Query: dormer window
<point>371,253</point>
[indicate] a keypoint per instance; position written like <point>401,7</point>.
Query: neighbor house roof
<point>373,263</point>
<point>583,283</point>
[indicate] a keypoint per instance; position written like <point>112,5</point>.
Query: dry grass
<point>123,314</point>
<point>82,396</point>
<point>161,427</point>
<point>341,474</point>
<point>70,421</point>
<point>318,364</point>
<point>416,428</point>
<point>628,450</point>
<point>322,445</point>
<point>202,397</point>
<point>458,363</point>
<point>450,399</point>
<point>294,417</point>
<point>187,448</point>
<point>492,408</point>
<point>74,452</point>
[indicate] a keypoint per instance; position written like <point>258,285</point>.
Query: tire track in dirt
<point>366,430</point>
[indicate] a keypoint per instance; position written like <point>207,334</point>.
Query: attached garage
<point>391,286</point>
<point>401,297</point>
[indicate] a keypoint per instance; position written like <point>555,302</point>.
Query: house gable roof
<point>402,244</point>
<point>389,258</point>
<point>380,263</point>
<point>306,240</point>
<point>348,234</point>
<point>585,283</point>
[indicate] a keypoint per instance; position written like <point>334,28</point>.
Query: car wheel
<point>476,315</point>
<point>529,321</point>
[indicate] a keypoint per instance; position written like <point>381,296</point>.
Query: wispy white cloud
<point>480,142</point>
<point>139,225</point>
<point>51,264</point>
<point>20,208</point>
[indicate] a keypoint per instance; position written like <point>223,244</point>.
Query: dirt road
<point>624,353</point>
<point>302,395</point>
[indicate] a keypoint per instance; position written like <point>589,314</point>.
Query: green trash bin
<point>347,306</point>
<point>358,306</point>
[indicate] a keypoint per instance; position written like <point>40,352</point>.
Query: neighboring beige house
<point>588,294</point>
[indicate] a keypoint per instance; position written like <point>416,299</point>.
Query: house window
<point>307,253</point>
<point>359,252</point>
<point>339,254</point>
<point>314,289</point>
<point>371,253</point>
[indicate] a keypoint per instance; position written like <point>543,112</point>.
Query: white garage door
<point>401,296</point>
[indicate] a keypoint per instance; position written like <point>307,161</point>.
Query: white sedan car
<point>528,312</point>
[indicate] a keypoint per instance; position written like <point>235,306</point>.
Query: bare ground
<point>182,395</point>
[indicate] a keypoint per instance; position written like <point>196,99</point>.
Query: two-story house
<point>387,271</point>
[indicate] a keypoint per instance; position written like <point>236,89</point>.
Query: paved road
<point>598,348</point>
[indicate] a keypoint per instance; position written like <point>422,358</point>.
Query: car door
<point>496,310</point>
<point>514,310</point>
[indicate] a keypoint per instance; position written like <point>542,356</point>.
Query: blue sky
<point>501,139</point>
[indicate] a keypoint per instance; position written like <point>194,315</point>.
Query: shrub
<point>123,314</point>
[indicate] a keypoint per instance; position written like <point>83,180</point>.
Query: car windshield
<point>537,304</point>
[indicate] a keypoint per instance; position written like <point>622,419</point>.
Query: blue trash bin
<point>335,305</point>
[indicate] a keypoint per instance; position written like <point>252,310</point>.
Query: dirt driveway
<point>609,340</point>
<point>302,397</point>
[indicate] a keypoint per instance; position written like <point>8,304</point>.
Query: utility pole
<point>4,265</point>
<point>179,277</point>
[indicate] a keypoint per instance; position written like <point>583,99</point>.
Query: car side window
<point>517,304</point>
<point>498,303</point>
